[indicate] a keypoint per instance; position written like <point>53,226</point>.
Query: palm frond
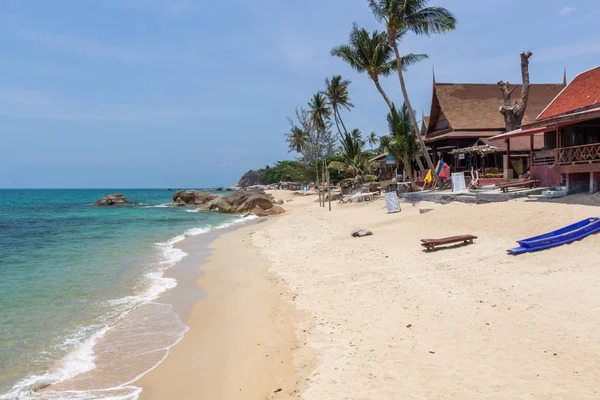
<point>431,20</point>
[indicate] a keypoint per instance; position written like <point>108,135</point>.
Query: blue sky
<point>192,93</point>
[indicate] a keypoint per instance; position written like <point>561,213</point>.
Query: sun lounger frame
<point>505,186</point>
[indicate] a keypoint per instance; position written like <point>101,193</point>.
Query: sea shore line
<point>297,308</point>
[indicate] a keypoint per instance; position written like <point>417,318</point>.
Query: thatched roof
<point>482,149</point>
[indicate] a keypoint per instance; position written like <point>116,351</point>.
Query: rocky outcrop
<point>251,178</point>
<point>192,197</point>
<point>258,203</point>
<point>115,199</point>
<point>275,210</point>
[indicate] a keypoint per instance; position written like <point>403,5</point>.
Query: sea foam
<point>81,356</point>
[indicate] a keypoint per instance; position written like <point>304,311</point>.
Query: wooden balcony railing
<point>579,154</point>
<point>544,157</point>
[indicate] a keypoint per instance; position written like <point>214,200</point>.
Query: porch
<point>571,154</point>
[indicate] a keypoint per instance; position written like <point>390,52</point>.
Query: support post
<point>557,146</point>
<point>593,183</point>
<point>530,152</point>
<point>507,164</point>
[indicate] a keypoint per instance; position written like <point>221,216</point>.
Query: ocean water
<point>78,289</point>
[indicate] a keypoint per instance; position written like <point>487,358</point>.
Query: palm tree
<point>337,93</point>
<point>320,113</point>
<point>296,139</point>
<point>371,53</point>
<point>372,140</point>
<point>401,144</point>
<point>354,161</point>
<point>401,17</point>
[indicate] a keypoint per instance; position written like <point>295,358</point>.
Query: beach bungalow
<point>385,167</point>
<point>464,116</point>
<point>570,125</point>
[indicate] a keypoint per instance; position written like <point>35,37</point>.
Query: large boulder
<point>275,210</point>
<point>242,202</point>
<point>251,178</point>
<point>115,199</point>
<point>192,197</point>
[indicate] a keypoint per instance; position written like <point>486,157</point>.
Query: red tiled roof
<point>583,92</point>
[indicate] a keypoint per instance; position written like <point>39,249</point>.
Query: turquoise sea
<point>73,274</point>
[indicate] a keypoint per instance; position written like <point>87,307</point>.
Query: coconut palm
<point>401,17</point>
<point>401,144</point>
<point>296,139</point>
<point>354,162</point>
<point>372,140</point>
<point>337,93</point>
<point>371,53</point>
<point>320,113</point>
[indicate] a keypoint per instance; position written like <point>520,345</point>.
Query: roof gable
<point>477,106</point>
<point>583,92</point>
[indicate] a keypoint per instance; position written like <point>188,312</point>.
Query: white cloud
<point>566,11</point>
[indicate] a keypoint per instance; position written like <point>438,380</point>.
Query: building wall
<point>547,176</point>
<point>578,182</point>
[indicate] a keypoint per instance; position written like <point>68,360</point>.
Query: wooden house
<point>463,116</point>
<point>570,125</point>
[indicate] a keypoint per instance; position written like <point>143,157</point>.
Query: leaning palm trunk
<point>420,164</point>
<point>385,97</point>
<point>391,105</point>
<point>392,40</point>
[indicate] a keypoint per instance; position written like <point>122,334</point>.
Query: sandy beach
<point>297,308</point>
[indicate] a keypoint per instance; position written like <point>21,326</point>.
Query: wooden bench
<point>431,243</point>
<point>505,186</point>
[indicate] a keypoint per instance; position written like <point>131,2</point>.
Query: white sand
<point>483,324</point>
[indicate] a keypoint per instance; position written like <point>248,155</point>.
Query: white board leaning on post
<point>392,203</point>
<point>458,182</point>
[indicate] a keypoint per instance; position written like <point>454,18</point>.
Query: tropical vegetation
<point>319,131</point>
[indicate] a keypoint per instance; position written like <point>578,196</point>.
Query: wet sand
<point>241,336</point>
<point>296,303</point>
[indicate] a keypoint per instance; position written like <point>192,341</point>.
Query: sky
<point>193,93</point>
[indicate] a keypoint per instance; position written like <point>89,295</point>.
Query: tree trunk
<point>317,182</point>
<point>387,99</point>
<point>336,122</point>
<point>323,180</point>
<point>390,105</point>
<point>342,122</point>
<point>409,172</point>
<point>328,187</point>
<point>420,164</point>
<point>513,112</point>
<point>416,130</point>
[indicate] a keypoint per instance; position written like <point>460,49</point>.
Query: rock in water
<point>192,197</point>
<point>251,178</point>
<point>115,199</point>
<point>280,202</point>
<point>361,233</point>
